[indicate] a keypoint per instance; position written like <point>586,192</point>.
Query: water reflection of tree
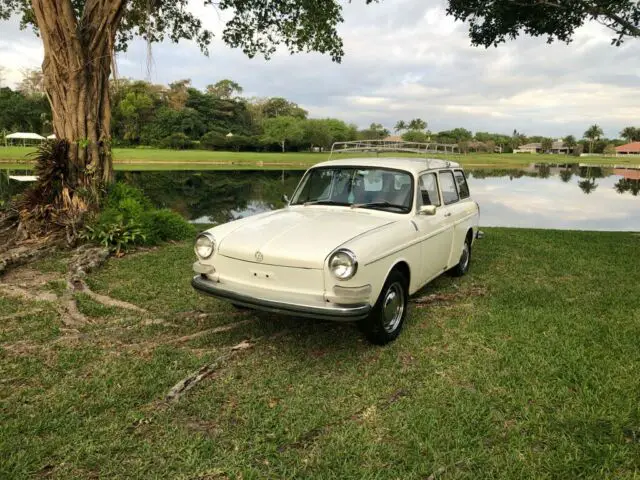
<point>588,185</point>
<point>498,172</point>
<point>589,174</point>
<point>566,175</point>
<point>628,185</point>
<point>544,170</point>
<point>213,194</point>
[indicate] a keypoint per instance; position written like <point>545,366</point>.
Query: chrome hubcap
<point>464,258</point>
<point>393,307</point>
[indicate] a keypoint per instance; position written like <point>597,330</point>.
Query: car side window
<point>428,194</point>
<point>463,188</point>
<point>448,187</point>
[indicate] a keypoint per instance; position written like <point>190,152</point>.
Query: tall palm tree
<point>417,124</point>
<point>630,134</point>
<point>401,126</point>
<point>593,133</point>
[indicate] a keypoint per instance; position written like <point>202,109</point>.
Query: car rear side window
<point>429,190</point>
<point>463,188</point>
<point>448,187</point>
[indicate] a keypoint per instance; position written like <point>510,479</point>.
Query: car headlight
<point>343,264</point>
<point>205,245</point>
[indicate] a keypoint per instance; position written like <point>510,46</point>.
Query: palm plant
<point>417,124</point>
<point>401,126</point>
<point>593,133</point>
<point>630,134</point>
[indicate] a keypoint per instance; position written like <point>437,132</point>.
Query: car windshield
<point>375,188</point>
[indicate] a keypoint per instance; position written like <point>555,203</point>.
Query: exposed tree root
<point>70,315</point>
<point>85,259</point>
<point>105,300</point>
<point>192,380</point>
<point>22,254</point>
<point>26,313</point>
<point>223,328</point>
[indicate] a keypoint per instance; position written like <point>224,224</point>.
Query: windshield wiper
<point>380,204</point>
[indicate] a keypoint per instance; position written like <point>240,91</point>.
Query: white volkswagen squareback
<point>357,238</point>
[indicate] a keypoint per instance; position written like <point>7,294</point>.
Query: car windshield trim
<point>358,186</point>
<point>322,202</point>
<point>381,205</point>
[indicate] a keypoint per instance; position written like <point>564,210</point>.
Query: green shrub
<point>164,225</point>
<point>213,141</point>
<point>120,191</point>
<point>176,141</point>
<point>117,236</point>
<point>128,218</point>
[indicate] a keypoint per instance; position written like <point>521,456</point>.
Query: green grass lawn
<point>528,367</point>
<point>160,159</point>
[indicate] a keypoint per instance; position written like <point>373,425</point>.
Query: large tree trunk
<point>77,64</point>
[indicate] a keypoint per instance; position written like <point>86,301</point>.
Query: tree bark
<point>77,65</point>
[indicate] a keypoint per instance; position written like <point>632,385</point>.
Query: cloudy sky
<point>406,59</point>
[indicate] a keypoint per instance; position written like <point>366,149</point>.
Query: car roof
<point>411,164</point>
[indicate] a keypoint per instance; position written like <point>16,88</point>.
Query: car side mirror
<point>427,210</point>
<point>285,199</point>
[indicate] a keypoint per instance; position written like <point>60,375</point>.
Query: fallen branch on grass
<point>192,380</point>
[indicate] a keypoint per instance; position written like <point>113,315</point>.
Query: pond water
<point>565,197</point>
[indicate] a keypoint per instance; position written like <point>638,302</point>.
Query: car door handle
<point>448,214</point>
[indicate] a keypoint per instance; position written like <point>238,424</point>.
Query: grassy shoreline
<point>159,159</point>
<point>526,368</point>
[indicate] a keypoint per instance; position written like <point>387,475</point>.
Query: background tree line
<point>180,116</point>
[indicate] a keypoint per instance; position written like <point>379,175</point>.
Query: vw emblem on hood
<point>259,256</point>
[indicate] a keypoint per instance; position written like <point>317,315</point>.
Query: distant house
<point>632,148</point>
<point>557,147</point>
<point>393,138</point>
<point>529,148</point>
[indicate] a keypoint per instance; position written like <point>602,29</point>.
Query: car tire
<point>384,323</point>
<point>465,259</point>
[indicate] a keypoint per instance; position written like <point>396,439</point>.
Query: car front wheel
<point>384,323</point>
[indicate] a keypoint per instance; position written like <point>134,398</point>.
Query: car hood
<point>297,237</point>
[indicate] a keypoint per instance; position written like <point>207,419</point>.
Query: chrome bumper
<point>336,313</point>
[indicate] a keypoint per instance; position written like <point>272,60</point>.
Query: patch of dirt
<point>440,298</point>
<point>27,277</point>
<point>23,294</point>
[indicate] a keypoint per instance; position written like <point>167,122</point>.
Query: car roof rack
<point>378,146</point>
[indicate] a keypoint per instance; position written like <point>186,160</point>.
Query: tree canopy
<point>257,27</point>
<point>492,22</point>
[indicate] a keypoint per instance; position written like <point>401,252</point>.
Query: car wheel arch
<point>403,267</point>
<point>469,236</point>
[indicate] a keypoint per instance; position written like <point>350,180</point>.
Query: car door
<point>434,231</point>
<point>451,209</point>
